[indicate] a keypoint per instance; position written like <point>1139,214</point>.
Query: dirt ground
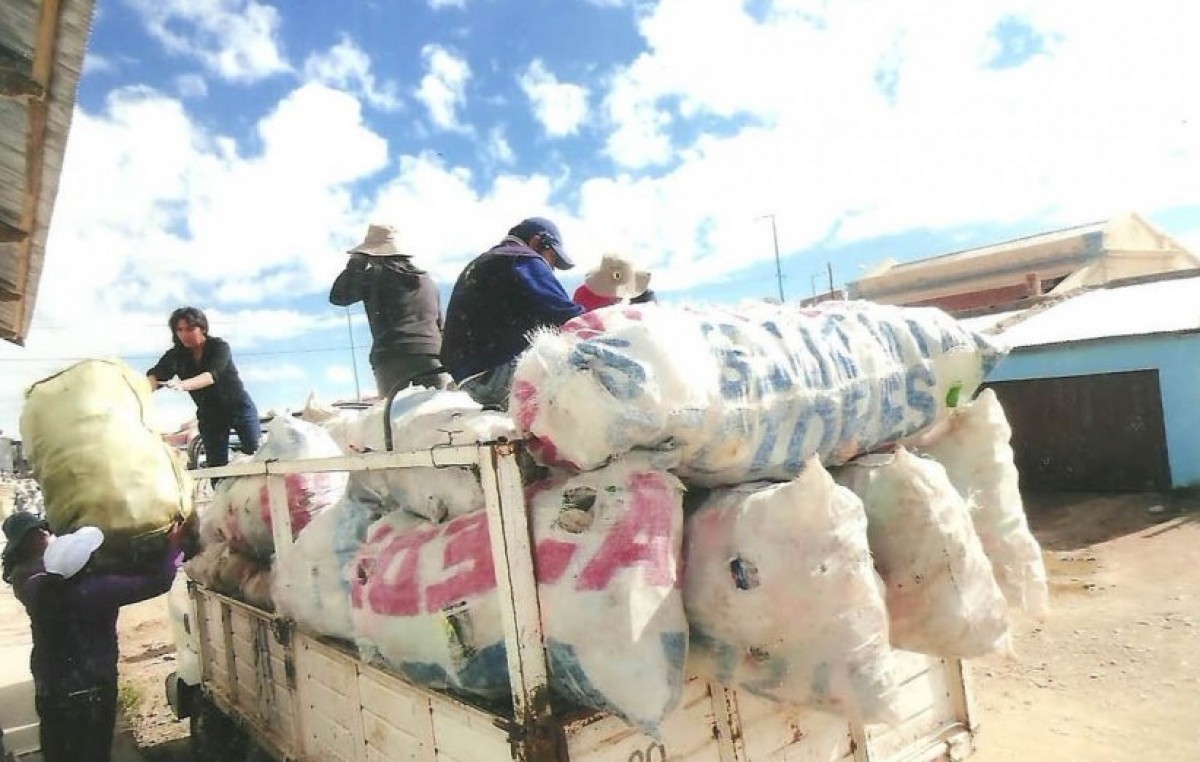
<point>1113,674</point>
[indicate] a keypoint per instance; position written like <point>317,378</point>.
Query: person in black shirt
<point>403,309</point>
<point>202,365</point>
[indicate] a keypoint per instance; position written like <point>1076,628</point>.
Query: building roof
<point>1069,258</point>
<point>42,46</point>
<point>1163,305</point>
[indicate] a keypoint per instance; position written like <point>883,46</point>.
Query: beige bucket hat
<point>616,277</point>
<point>381,241</point>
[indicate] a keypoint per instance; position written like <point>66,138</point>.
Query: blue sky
<point>226,153</point>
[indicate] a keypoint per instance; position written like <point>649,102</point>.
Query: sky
<point>227,153</point>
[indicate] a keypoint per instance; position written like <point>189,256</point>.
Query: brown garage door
<point>1101,433</point>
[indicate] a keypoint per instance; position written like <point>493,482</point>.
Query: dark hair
<point>646,297</point>
<point>192,315</point>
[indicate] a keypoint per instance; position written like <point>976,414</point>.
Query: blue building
<point>1102,386</point>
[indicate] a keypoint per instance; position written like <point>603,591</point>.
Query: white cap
<point>69,553</point>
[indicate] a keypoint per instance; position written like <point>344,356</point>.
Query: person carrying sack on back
<point>614,281</point>
<point>403,310</point>
<point>73,619</point>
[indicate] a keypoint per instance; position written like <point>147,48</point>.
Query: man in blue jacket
<point>500,297</point>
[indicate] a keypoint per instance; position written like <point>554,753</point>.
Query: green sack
<point>99,460</point>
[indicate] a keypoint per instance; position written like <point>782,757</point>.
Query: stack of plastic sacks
<point>607,543</point>
<point>773,393</point>
<point>236,531</point>
<point>402,566</point>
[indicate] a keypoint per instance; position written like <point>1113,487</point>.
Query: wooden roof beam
<point>10,233</point>
<point>16,75</point>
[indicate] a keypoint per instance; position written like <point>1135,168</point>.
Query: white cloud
<point>94,63</point>
<point>438,5</point>
<point>443,88</point>
<point>347,66</point>
<point>873,119</point>
<point>340,374</point>
<point>561,107</point>
<point>272,372</point>
<point>236,39</point>
<point>191,86</point>
<point>498,148</point>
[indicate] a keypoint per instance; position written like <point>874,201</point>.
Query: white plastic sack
<point>782,598</point>
<point>310,583</point>
<point>241,505</point>
<point>973,445</point>
<point>607,547</point>
<point>421,419</point>
<point>942,598</point>
<point>743,395</point>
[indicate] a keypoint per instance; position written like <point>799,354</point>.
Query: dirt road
<point>1113,674</point>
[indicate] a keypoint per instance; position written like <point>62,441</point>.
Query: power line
<point>151,358</point>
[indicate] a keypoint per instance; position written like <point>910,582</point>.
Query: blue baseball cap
<point>532,226</point>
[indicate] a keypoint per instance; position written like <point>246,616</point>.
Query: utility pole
<point>775,240</point>
<point>353,356</point>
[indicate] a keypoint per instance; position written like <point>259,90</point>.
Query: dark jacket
<point>74,622</point>
<point>402,303</point>
<point>499,298</point>
<point>224,396</point>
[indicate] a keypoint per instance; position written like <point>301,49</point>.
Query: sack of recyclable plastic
<point>942,598</point>
<point>973,445</point>
<point>421,419</point>
<point>223,569</point>
<point>782,598</point>
<point>607,545</point>
<point>241,505</point>
<point>744,395</point>
<point>311,583</point>
<point>99,461</point>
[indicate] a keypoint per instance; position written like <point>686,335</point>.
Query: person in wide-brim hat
<point>613,281</point>
<point>403,309</point>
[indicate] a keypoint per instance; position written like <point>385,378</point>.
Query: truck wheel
<point>215,738</point>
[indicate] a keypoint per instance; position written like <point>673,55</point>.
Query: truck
<point>259,678</point>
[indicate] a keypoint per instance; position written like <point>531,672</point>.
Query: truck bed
<point>304,697</point>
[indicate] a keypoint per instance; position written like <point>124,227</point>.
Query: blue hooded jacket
<point>498,299</point>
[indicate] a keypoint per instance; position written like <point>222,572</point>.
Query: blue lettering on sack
<point>797,455</point>
<point>918,396</point>
<point>824,369</point>
<point>892,402</point>
<point>621,375</point>
<point>770,435</point>
<point>856,408</point>
<point>922,337</point>
<point>825,410</point>
<point>840,350</point>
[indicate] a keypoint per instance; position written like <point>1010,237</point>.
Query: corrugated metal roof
<point>1163,306</point>
<point>42,46</point>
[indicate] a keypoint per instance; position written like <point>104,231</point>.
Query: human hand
<point>174,383</point>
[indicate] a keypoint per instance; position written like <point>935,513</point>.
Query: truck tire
<point>215,737</point>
